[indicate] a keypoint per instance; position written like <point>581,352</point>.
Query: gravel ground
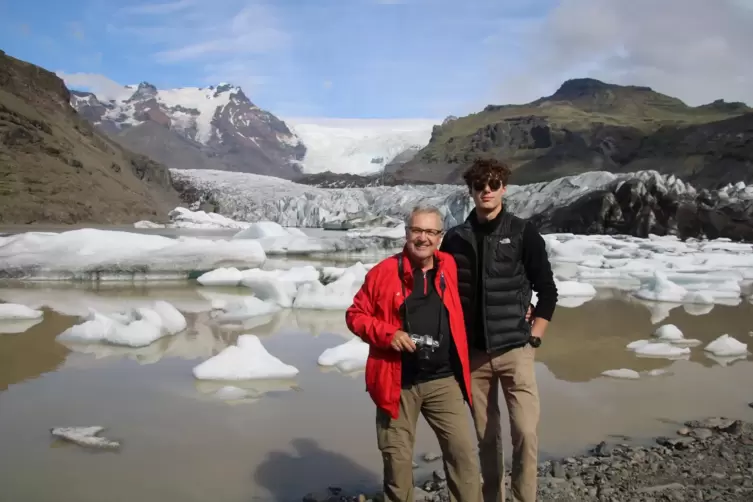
<point>708,460</point>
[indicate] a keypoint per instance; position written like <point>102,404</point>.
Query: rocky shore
<point>708,460</point>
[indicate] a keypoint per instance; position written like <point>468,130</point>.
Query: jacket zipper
<point>483,289</point>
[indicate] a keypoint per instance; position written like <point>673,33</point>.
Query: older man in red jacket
<point>409,312</point>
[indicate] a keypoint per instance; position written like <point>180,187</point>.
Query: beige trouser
<point>514,370</point>
<point>442,405</point>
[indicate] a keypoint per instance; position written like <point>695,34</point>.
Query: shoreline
<point>705,460</point>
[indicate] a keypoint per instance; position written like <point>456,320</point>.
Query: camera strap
<point>401,276</point>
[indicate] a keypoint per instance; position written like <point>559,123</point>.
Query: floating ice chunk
<point>657,372</point>
<point>337,295</point>
<point>85,436</point>
<point>660,289</point>
<point>699,298</point>
<point>94,254</point>
<point>261,230</point>
<point>668,332</point>
<point>173,322</point>
<point>246,307</point>
<point>222,276</point>
<point>16,312</point>
<point>247,360</point>
<point>137,328</point>
<point>648,348</point>
<point>395,233</point>
<point>278,286</point>
<point>672,334</point>
<point>727,346</point>
<point>574,288</point>
<point>349,356</point>
<point>182,217</point>
<point>622,373</point>
<point>330,274</point>
<point>276,239</point>
<point>17,325</point>
<point>576,250</point>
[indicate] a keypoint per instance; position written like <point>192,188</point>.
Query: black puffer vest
<point>505,289</point>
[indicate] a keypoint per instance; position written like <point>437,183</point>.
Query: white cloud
<point>158,8</point>
<point>697,50</point>
<point>225,40</point>
<point>103,87</point>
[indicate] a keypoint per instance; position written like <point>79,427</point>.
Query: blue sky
<point>386,58</point>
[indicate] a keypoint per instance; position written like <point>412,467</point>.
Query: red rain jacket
<point>374,317</point>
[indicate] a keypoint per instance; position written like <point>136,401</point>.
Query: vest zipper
<point>484,243</point>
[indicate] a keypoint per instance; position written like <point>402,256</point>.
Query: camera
<point>425,345</point>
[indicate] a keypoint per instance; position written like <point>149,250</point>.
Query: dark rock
<point>647,205</point>
<point>57,168</point>
<point>701,433</point>
<point>680,469</point>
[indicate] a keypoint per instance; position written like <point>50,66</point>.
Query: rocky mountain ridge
<point>217,127</point>
<point>55,167</point>
<point>592,125</point>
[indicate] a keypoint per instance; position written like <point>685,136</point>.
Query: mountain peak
<point>145,90</point>
<point>588,87</point>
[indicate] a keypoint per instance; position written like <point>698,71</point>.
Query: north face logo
<point>506,240</point>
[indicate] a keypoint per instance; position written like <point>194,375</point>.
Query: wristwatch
<point>535,341</point>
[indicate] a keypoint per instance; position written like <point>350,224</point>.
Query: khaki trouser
<point>514,370</point>
<point>442,405</point>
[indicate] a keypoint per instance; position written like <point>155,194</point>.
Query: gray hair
<point>424,209</point>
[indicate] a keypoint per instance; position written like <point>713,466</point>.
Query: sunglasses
<point>494,185</point>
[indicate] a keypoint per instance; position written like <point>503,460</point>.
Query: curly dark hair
<point>484,170</point>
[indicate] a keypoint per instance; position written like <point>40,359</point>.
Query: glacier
<point>357,146</point>
<point>249,197</point>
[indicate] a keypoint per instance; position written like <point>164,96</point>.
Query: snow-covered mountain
<point>359,146</point>
<point>197,128</point>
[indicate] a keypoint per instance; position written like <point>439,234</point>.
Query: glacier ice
<point>357,146</point>
<point>250,197</point>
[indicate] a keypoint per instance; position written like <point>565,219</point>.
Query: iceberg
<point>247,360</point>
<point>138,327</point>
<point>92,254</point>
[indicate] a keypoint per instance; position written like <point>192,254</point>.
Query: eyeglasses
<point>494,185</point>
<point>428,231</point>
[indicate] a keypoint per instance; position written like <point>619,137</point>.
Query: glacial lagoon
<point>187,439</point>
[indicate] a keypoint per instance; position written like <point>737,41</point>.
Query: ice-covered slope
<point>212,127</point>
<point>357,146</point>
<point>595,202</point>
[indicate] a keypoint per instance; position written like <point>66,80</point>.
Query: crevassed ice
<point>249,197</point>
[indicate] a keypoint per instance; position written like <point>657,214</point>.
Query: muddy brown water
<point>182,444</point>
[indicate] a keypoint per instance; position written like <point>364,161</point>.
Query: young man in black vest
<point>501,259</point>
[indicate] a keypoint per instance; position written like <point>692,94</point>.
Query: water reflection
<point>33,352</point>
<point>177,430</point>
